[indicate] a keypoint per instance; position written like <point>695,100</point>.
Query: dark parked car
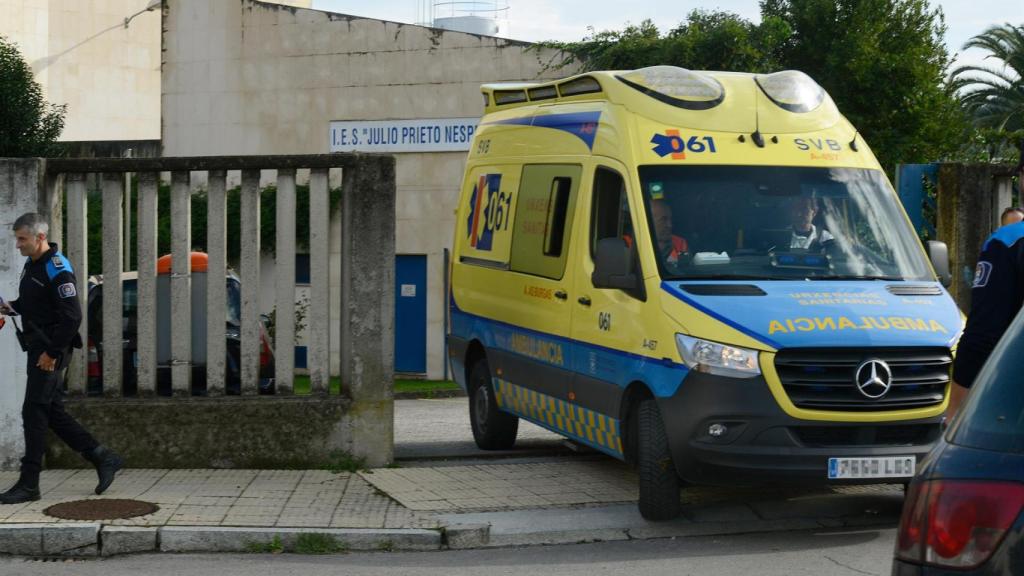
<point>962,514</point>
<point>129,282</point>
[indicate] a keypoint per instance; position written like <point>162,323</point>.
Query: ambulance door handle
<point>561,295</point>
<point>585,300</point>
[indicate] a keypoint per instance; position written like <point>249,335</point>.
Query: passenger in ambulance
<point>804,233</point>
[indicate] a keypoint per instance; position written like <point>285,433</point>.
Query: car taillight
<point>956,523</point>
<point>95,368</point>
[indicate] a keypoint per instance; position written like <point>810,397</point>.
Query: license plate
<point>871,467</point>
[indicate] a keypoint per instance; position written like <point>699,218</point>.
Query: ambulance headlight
<point>715,358</point>
<point>676,86</point>
<point>791,90</point>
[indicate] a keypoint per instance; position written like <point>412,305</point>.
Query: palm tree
<point>994,95</point>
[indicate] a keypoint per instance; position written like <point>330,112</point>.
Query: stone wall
<point>262,432</point>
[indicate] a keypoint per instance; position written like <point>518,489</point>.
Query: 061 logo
<point>489,211</point>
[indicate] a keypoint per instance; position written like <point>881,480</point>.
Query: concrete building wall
<point>85,56</point>
<point>255,78</point>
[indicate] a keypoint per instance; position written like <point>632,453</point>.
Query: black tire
<point>492,428</point>
<point>659,482</point>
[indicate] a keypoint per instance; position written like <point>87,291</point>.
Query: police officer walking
<point>51,314</point>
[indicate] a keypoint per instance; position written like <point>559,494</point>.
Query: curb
<point>94,539</point>
<point>433,395</point>
<point>230,539</point>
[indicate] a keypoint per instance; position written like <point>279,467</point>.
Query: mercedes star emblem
<point>873,379</point>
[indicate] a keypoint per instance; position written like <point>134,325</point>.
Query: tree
<point>707,40</point>
<point>994,95</point>
<point>29,126</point>
<point>882,61</point>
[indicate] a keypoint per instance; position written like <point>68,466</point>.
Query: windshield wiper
<point>855,277</point>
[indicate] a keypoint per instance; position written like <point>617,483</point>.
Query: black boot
<point>107,463</point>
<point>24,490</point>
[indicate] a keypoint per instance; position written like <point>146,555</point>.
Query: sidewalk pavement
<point>419,506</point>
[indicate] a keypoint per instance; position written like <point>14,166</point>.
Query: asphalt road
<point>818,553</point>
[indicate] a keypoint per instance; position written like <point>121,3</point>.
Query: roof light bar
<point>676,86</point>
<point>791,90</point>
<point>581,85</point>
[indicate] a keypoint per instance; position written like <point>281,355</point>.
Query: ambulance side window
<point>610,215</point>
<point>544,214</point>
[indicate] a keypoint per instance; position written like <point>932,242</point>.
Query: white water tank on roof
<point>470,24</point>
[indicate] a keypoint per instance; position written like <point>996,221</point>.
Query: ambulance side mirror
<point>939,255</point>
<point>614,268</point>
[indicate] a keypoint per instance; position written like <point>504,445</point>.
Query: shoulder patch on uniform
<point>981,274</point>
<point>57,264</point>
<point>1007,235</point>
<point>67,290</point>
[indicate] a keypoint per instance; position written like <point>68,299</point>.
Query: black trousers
<point>44,408</point>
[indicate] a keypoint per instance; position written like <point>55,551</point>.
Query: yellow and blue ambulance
<point>706,274</point>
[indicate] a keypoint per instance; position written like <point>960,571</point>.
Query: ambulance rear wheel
<point>492,428</point>
<point>659,482</point>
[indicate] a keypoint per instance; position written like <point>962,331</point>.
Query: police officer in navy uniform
<point>996,297</point>
<point>50,314</point>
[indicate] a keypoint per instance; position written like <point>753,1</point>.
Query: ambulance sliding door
<point>533,356</point>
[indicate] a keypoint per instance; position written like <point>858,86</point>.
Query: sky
<point>568,20</point>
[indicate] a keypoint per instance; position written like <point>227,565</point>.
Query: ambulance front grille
<point>825,378</point>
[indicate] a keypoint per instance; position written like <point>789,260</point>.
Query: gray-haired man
<point>51,314</point>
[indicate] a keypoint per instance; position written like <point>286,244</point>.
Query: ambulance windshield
<point>779,223</point>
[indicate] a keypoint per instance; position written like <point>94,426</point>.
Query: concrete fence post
<point>319,281</point>
<point>21,186</point>
<point>146,257</point>
<point>113,295</point>
<point>367,320</point>
<point>216,291</point>
<point>76,249</point>
<point>250,276</point>
<point>284,271</point>
<point>181,284</point>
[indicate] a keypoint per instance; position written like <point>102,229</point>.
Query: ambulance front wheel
<point>659,481</point>
<point>492,428</point>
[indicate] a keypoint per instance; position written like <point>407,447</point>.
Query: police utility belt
<point>31,337</point>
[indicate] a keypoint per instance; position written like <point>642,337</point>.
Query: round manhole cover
<point>101,509</point>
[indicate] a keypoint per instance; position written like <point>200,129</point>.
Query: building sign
<point>437,135</point>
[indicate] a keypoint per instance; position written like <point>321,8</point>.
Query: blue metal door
<point>411,314</point>
<point>910,185</point>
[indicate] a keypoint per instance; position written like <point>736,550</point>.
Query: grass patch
<point>342,461</point>
<point>426,388</point>
<point>313,543</point>
<point>275,546</point>
<point>301,387</point>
